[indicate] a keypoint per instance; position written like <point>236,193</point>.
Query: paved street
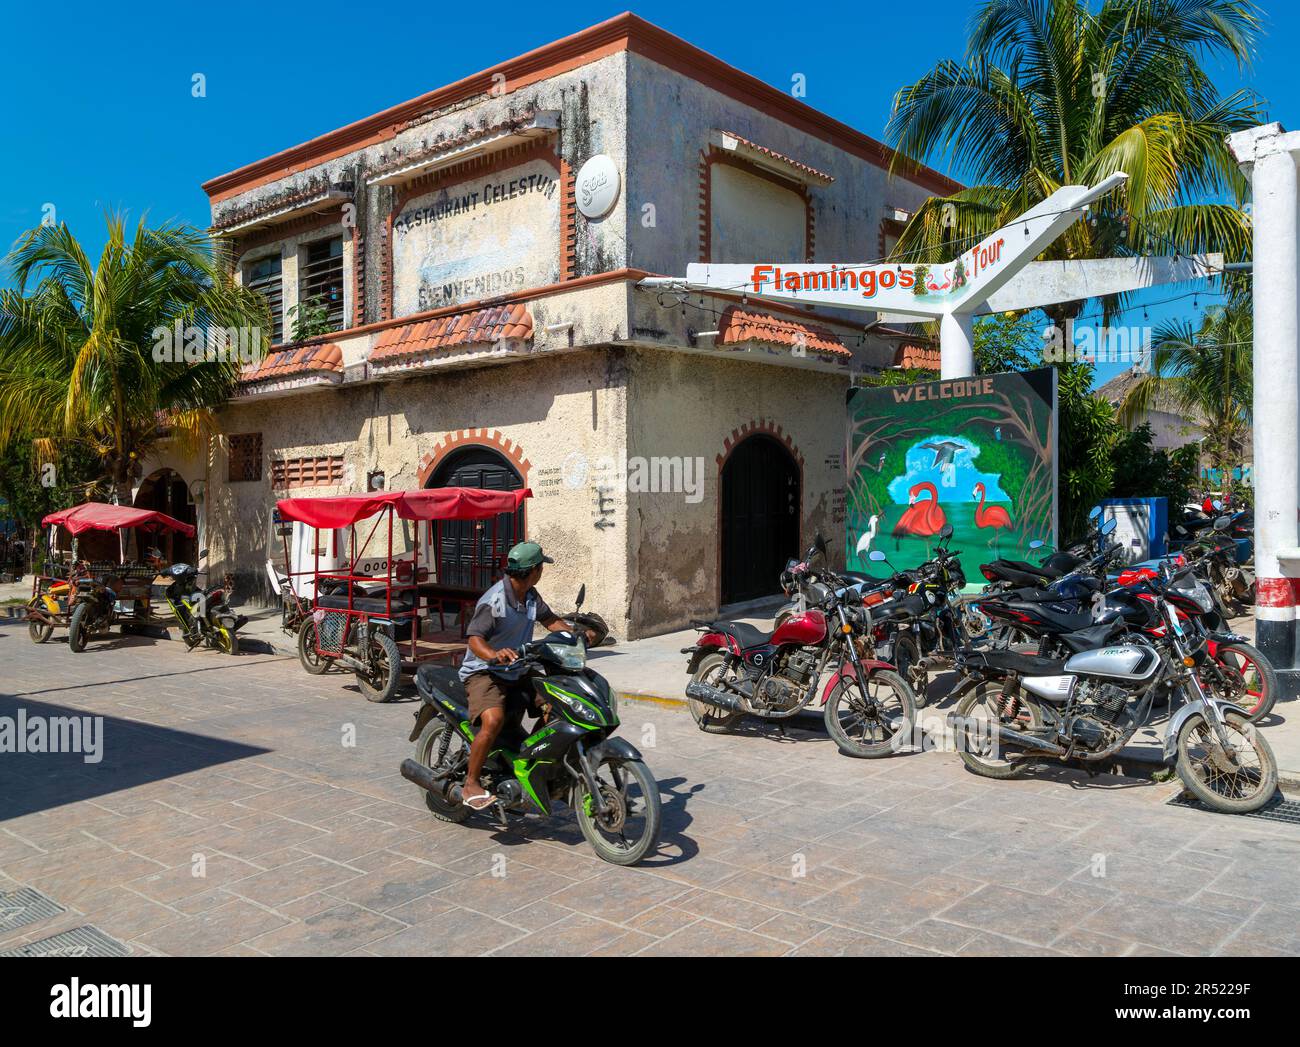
<point>230,815</point>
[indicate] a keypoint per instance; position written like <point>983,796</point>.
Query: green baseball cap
<point>525,556</point>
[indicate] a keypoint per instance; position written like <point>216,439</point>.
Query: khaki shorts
<point>485,691</point>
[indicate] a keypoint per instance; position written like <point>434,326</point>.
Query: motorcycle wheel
<point>856,731</point>
<point>983,703</point>
<point>632,793</point>
<point>224,640</point>
<point>712,668</point>
<point>78,628</point>
<point>311,661</point>
<point>1241,659</point>
<point>426,752</point>
<point>38,631</point>
<point>1217,784</point>
<point>907,655</point>
<point>381,684</point>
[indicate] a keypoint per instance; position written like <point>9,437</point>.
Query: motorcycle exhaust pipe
<point>1008,737</point>
<point>702,692</point>
<point>424,777</point>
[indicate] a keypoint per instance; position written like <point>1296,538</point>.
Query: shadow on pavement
<point>131,754</point>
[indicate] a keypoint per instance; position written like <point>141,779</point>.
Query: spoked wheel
<point>311,661</point>
<point>380,684</point>
<point>712,670</point>
<point>1251,681</point>
<point>1237,779</point>
<point>37,630</point>
<point>440,747</point>
<point>878,725</point>
<point>979,713</point>
<point>629,829</point>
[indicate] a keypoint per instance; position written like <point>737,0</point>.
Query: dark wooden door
<point>761,504</point>
<point>469,556</point>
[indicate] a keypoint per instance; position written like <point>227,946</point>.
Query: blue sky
<point>99,111</point>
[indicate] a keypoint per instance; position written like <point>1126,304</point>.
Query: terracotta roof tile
<point>474,327</point>
<point>318,357</point>
<point>740,325</point>
<point>798,165</point>
<point>917,356</point>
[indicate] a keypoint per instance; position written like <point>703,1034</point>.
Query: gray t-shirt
<point>503,622</point>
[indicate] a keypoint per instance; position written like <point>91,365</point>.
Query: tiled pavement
<point>231,815</point>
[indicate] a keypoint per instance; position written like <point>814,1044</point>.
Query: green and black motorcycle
<point>570,757</point>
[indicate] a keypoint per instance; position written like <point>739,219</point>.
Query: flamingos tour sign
<point>978,453</point>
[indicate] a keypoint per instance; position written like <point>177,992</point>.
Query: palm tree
<point>88,353</point>
<point>1206,374</point>
<point>1054,93</point>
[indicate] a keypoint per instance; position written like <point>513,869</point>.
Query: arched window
<point>465,552</point>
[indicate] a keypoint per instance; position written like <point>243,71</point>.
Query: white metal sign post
<point>1268,155</point>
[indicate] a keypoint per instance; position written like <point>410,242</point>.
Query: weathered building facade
<point>476,254</point>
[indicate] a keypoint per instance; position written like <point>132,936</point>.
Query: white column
<point>956,345</point>
<point>1276,406</point>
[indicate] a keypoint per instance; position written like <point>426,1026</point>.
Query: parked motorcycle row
<point>1060,660</point>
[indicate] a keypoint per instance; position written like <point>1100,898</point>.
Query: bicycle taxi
<point>101,576</point>
<point>363,578</point>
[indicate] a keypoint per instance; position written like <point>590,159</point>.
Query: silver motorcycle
<point>1013,709</point>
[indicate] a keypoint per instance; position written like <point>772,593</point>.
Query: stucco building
<point>476,253</point>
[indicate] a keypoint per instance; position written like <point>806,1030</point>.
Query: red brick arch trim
<point>750,428</point>
<point>454,441</point>
<point>717,155</point>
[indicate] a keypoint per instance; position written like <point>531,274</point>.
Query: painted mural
<point>977,453</point>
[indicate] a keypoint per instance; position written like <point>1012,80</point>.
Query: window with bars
<point>263,276</point>
<point>245,458</point>
<point>321,279</point>
<point>319,471</point>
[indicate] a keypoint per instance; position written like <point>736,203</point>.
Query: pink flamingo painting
<point>993,516</point>
<point>921,518</point>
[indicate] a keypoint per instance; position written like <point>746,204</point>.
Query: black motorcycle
<point>204,614</point>
<point>571,756</point>
<point>94,609</point>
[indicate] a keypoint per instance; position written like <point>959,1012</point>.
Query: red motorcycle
<point>738,670</point>
<point>1235,671</point>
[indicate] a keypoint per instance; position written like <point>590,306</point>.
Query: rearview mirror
<point>945,533</point>
<point>582,594</point>
<point>1222,522</point>
<point>819,544</point>
<point>1217,504</point>
<point>1096,512</point>
<point>1109,526</point>
<point>202,553</point>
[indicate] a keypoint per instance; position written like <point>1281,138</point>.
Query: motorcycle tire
<point>38,631</point>
<point>224,640</point>
<point>903,720</point>
<point>78,630</point>
<point>1259,703</point>
<point>596,832</point>
<point>709,718</point>
<point>382,686</point>
<point>426,752</point>
<point>907,654</point>
<point>314,663</point>
<point>1252,790</point>
<point>980,763</point>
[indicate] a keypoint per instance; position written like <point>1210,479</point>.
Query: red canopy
<point>100,516</point>
<point>434,503</point>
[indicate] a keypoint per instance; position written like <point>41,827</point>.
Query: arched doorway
<point>465,550</point>
<point>165,492</point>
<point>761,505</point>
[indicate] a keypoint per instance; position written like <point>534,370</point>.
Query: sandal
<point>480,802</point>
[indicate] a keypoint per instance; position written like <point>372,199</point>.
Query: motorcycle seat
<point>746,636</point>
<point>1014,662</point>
<point>436,682</point>
<point>402,605</point>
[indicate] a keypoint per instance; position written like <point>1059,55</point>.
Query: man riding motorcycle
<point>503,622</point>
